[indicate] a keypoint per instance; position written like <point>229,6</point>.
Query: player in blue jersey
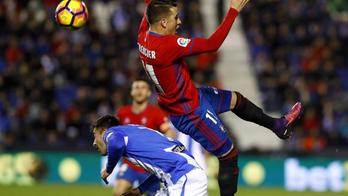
<point>165,159</point>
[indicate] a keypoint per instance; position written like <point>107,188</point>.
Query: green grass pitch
<point>94,190</point>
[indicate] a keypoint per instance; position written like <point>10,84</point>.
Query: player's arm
<point>186,47</point>
<point>144,26</point>
<point>167,130</point>
<point>116,147</point>
<point>164,124</point>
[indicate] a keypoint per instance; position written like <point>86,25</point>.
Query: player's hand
<point>104,174</point>
<point>238,4</point>
<point>132,192</point>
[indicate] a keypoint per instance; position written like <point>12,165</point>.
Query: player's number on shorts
<point>151,72</point>
<point>211,116</point>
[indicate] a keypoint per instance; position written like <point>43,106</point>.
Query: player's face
<point>173,21</point>
<point>140,91</point>
<point>98,142</point>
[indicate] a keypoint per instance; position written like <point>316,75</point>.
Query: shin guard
<point>228,175</point>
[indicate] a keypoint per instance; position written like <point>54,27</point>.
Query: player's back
<point>163,63</point>
<point>159,155</point>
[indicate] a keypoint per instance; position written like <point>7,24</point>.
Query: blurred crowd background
<point>299,51</point>
<point>54,82</point>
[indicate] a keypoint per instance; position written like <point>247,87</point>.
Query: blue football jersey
<point>164,157</point>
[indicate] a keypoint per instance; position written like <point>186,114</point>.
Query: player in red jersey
<point>195,111</point>
<point>142,113</point>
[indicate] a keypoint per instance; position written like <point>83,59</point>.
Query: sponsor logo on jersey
<point>179,148</point>
<point>183,42</point>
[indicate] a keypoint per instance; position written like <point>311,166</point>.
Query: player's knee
<point>231,154</point>
<point>121,186</point>
<point>116,192</point>
<point>236,100</point>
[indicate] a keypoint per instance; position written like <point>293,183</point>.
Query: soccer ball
<point>71,13</point>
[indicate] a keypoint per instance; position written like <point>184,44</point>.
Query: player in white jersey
<point>166,159</point>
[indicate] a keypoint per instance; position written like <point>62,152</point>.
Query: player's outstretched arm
<point>214,42</point>
<point>238,4</point>
<point>143,24</point>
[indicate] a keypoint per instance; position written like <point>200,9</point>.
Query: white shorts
<point>194,183</point>
<point>194,147</point>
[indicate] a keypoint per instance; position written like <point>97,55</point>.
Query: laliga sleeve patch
<point>183,42</point>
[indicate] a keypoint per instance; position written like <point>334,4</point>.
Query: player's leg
<point>223,101</point>
<point>124,180</point>
<point>228,155</point>
<point>127,177</point>
<point>228,172</point>
<point>248,111</point>
<point>121,186</point>
<point>205,127</point>
<point>194,182</point>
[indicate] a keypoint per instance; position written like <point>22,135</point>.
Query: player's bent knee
<point>225,149</point>
<point>121,186</point>
<point>231,154</point>
<point>234,99</point>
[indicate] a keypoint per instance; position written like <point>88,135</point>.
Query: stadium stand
<point>298,52</point>
<point>54,82</point>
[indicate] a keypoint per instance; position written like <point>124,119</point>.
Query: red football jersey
<point>162,58</point>
<point>152,117</point>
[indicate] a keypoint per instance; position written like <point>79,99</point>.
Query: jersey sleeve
<point>116,147</point>
<point>144,26</point>
<point>178,47</point>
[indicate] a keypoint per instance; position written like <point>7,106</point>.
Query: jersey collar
<point>154,34</point>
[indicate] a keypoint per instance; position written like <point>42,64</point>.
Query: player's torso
<point>176,90</point>
<point>157,147</point>
<point>145,118</point>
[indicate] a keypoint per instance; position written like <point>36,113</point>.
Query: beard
<point>140,101</point>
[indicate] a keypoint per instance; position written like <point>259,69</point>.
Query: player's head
<point>140,91</point>
<point>163,15</point>
<point>99,127</point>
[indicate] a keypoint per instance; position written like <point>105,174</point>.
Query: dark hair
<point>141,79</point>
<point>106,121</point>
<point>157,9</point>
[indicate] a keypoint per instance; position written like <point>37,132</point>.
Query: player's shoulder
<point>112,132</point>
<point>121,129</point>
<point>124,109</point>
<point>154,108</point>
<point>177,40</point>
